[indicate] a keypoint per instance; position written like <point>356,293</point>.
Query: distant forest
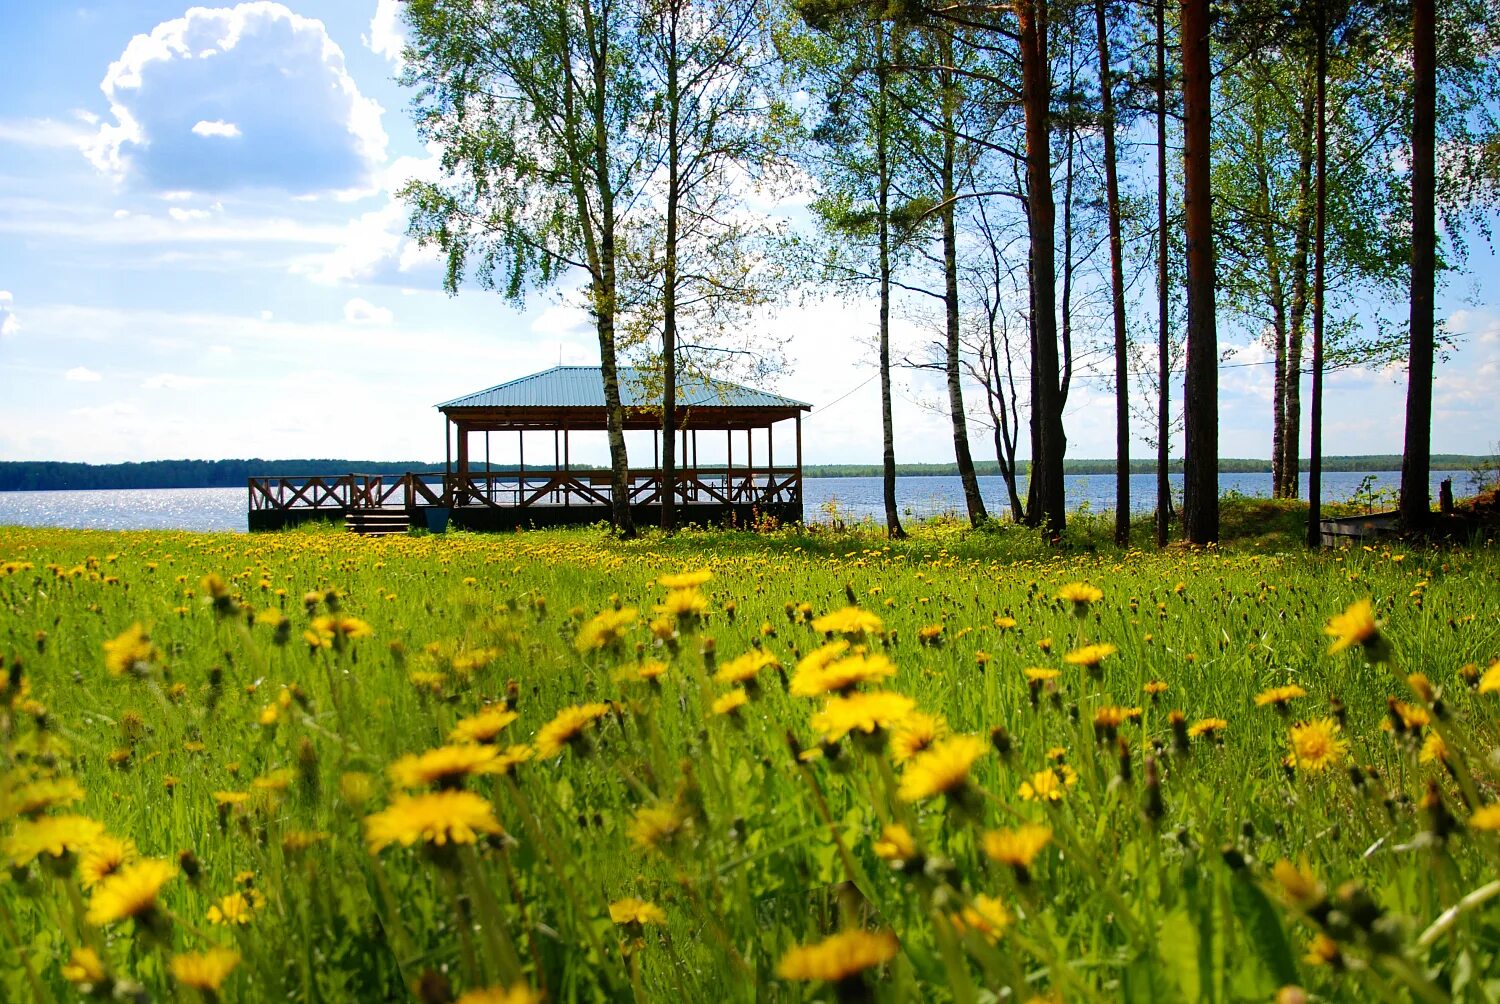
<point>47,475</point>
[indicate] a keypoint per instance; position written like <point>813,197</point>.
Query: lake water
<point>224,508</point>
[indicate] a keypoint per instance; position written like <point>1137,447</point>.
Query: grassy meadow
<point>725,767</point>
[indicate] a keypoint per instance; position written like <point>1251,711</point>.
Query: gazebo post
<point>461,497</point>
<point>489,485</point>
<point>750,459</point>
<point>770,456</point>
<point>521,474</point>
<point>729,465</point>
<point>799,458</point>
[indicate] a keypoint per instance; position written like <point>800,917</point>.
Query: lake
<point>224,508</point>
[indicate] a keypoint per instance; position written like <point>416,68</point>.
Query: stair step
<point>377,522</point>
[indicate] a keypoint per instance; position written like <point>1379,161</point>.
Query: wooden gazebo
<point>542,487</point>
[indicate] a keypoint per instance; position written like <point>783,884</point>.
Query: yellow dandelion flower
<point>851,622</point>
<point>862,712</point>
<point>605,630</point>
<point>686,580</point>
<point>567,727</point>
<point>636,911</point>
<point>840,675</point>
<point>1049,785</point>
<point>445,766</point>
<point>1155,687</point>
<point>1413,717</point>
<point>1433,749</point>
<point>1317,745</point>
<point>839,956</point>
<point>1489,680</point>
<point>733,701</point>
<point>1298,882</point>
<point>518,994</point>
<point>1279,696</point>
<point>915,733</point>
<point>1323,951</point>
<point>1355,626</point>
<point>655,825</point>
<point>130,892</point>
<point>1017,847</point>
<point>438,817</point>
<point>1080,594</point>
<point>1005,623</point>
<point>105,856</point>
<point>235,909</point>
<point>53,836</point>
<point>986,916</point>
<point>683,604</point>
<point>1486,817</point>
<point>1090,656</point>
<point>941,770</point>
<point>895,845</point>
<point>204,970</point>
<point>1210,727</point>
<point>130,652</point>
<point>84,968</point>
<point>929,633</point>
<point>483,726</point>
<point>39,795</point>
<point>743,668</point>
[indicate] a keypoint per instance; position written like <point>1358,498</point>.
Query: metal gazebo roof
<point>583,387</point>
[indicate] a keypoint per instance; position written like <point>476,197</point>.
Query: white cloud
<point>172,381</point>
<point>82,374</point>
<point>44,133</point>
<point>185,215</point>
<point>216,128</point>
<point>8,323</point>
<point>304,126</point>
<point>358,311</point>
<point>376,247</point>
<point>385,37</point>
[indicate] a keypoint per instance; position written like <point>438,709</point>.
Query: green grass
<point>772,851</point>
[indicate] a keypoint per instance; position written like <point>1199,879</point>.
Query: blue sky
<point>201,256</point>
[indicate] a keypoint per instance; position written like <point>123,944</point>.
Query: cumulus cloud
<point>8,323</point>
<point>358,311</point>
<point>225,99</point>
<point>82,374</point>
<point>385,38</point>
<point>216,128</point>
<point>376,247</point>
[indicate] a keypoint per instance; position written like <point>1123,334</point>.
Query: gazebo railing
<point>523,489</point>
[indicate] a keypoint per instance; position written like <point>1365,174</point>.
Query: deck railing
<point>515,489</point>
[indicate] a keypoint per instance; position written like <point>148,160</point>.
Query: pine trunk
<point>1200,509</point>
<point>1117,286</point>
<point>1320,200</point>
<point>1416,503</point>
<point>1163,289</point>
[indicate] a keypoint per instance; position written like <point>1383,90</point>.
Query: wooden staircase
<point>376,522</point>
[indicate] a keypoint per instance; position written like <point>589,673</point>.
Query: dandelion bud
<point>1178,721</point>
<point>188,862</point>
<point>1122,749</point>
<point>1155,808</point>
<point>1440,822</point>
<point>512,694</point>
<point>1000,739</point>
<point>1232,857</point>
<point>1358,905</point>
<point>1339,711</point>
<point>1356,776</point>
<point>432,987</point>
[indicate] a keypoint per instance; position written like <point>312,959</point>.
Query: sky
<point>202,256</point>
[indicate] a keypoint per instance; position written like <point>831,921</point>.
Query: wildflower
<point>105,856</point>
<point>685,580</point>
<point>1489,680</point>
<point>130,652</point>
<point>39,795</point>
<point>130,892</point>
<point>204,970</point>
<point>915,733</point>
<point>731,702</point>
<point>1324,951</point>
<point>518,994</point>
<point>683,604</point>
<point>1018,847</point>
<point>985,916</point>
<point>234,909</point>
<point>636,911</point>
<point>439,818</point>
<point>1210,727</point>
<point>1090,656</point>
<point>53,836</point>
<point>1005,623</point>
<point>1049,784</point>
<point>356,788</point>
<point>1109,718</point>
<point>1357,626</point>
<point>941,770</point>
<point>1279,696</point>
<point>650,671</point>
<point>838,957</point>
<point>1433,749</point>
<point>1317,745</point>
<point>84,968</point>
<point>1080,594</point>
<point>297,841</point>
<point>866,713</point>
<point>605,630</point>
<point>930,634</point>
<point>896,846</point>
<point>338,630</point>
<point>840,675</point>
<point>444,767</point>
<point>851,622</point>
<point>1298,882</point>
<point>1408,717</point>
<point>744,668</point>
<point>655,825</point>
<point>567,727</point>
<point>1155,688</point>
<point>1486,817</point>
<point>482,727</point>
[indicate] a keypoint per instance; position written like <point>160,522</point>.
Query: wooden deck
<point>514,499</point>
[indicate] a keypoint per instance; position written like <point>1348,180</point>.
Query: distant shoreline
<point>43,475</point>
